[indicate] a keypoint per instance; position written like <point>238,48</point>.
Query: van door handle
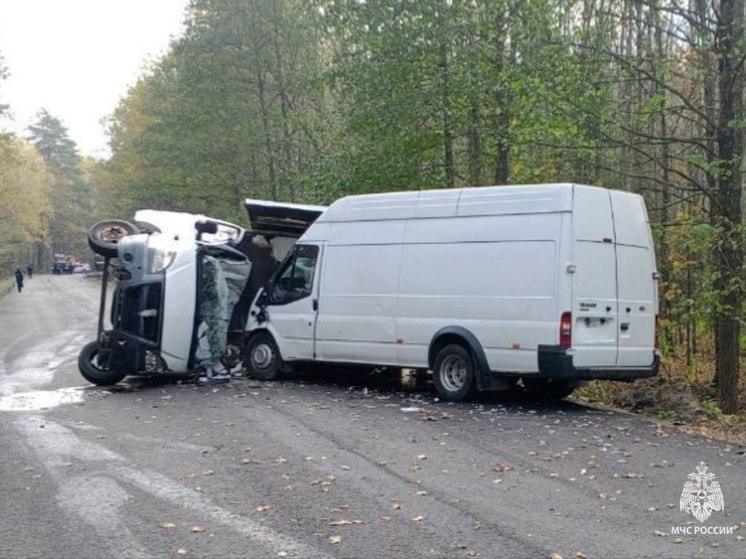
<point>624,326</point>
<point>315,304</point>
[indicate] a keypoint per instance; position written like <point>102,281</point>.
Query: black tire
<point>104,236</point>
<point>546,389</point>
<point>145,227</point>
<point>454,373</point>
<point>262,357</point>
<point>95,369</point>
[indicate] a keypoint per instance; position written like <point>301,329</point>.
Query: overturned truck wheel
<point>94,366</point>
<point>262,358</point>
<point>104,236</point>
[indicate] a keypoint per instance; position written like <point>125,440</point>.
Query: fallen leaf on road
<point>633,475</point>
<point>335,539</point>
<point>346,522</point>
<point>555,556</point>
<point>385,518</point>
<point>167,525</point>
<point>678,540</point>
<point>580,555</point>
<point>421,493</point>
<point>197,529</point>
<point>498,467</point>
<point>422,457</point>
<point>280,460</point>
<point>181,551</point>
<point>396,506</point>
<point>262,508</point>
<point>208,472</point>
<point>660,534</point>
<point>418,518</point>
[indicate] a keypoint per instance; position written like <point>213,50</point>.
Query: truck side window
<point>295,279</point>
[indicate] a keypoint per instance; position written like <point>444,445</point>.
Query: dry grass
<point>681,395</point>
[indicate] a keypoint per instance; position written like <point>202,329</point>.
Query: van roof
<point>481,200</point>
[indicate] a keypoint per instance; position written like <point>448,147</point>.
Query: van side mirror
<point>205,226</point>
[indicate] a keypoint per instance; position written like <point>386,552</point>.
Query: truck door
<point>636,281</point>
<point>595,307</point>
<point>293,303</point>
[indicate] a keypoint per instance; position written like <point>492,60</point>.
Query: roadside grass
<point>682,394</point>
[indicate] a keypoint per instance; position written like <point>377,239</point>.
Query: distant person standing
<point>29,271</point>
<point>19,279</point>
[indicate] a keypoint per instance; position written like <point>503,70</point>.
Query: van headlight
<point>161,251</point>
<point>161,259</point>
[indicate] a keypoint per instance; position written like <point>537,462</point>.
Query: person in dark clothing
<point>29,271</point>
<point>19,279</point>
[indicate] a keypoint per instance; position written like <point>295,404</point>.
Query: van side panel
<point>496,276</point>
<point>357,299</point>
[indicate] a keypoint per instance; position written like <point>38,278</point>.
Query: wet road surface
<point>334,465</point>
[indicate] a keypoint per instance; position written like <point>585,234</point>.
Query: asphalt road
<point>324,467</point>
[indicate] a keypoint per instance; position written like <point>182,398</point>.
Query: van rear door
<point>595,308</point>
<point>636,280</point>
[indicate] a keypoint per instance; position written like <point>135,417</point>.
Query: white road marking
<point>56,446</point>
<point>40,399</point>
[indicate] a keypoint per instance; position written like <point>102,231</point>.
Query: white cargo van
<point>529,288</point>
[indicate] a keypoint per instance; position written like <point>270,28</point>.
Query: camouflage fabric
<point>223,281</point>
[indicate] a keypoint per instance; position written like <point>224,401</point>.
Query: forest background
<point>309,100</point>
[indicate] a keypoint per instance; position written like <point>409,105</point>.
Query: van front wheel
<point>453,373</point>
<point>95,367</point>
<point>262,358</point>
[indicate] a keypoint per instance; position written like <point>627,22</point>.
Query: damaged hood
<point>281,219</point>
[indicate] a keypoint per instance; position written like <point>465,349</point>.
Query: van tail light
<point>566,330</point>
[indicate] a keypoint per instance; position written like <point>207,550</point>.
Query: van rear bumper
<point>554,362</point>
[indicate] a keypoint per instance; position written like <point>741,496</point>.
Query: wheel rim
<point>262,356</point>
<point>100,362</point>
<point>453,373</point>
<point>112,233</point>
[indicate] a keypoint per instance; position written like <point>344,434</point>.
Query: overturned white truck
<point>529,289</point>
<point>184,284</point>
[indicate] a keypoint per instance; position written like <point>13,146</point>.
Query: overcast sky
<point>77,58</point>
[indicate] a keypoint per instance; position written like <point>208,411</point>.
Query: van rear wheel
<point>262,358</point>
<point>454,373</point>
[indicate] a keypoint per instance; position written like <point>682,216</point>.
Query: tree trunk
<point>501,122</point>
<point>284,104</point>
<point>729,258</point>
<point>450,175</point>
